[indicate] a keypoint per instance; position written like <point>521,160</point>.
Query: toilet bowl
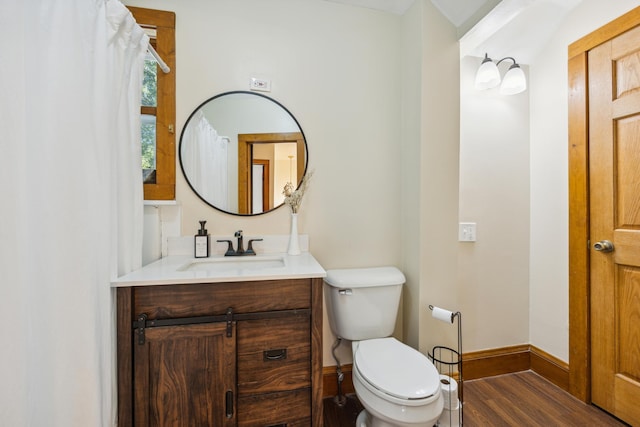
<point>397,385</point>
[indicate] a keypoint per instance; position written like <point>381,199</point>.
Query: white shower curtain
<point>204,157</point>
<point>71,210</point>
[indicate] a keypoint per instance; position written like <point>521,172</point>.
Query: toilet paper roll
<point>442,314</point>
<point>449,390</point>
<point>450,418</point>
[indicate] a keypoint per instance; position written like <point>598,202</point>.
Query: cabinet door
<point>185,376</point>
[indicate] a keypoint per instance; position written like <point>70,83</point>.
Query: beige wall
<point>376,95</point>
<point>513,183</point>
<point>438,178</point>
<point>549,182</point>
<point>494,193</point>
<point>338,69</point>
<point>410,188</point>
<point>429,174</point>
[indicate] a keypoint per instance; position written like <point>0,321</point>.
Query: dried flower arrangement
<point>293,198</point>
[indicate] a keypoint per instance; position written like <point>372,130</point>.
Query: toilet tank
<point>362,303</point>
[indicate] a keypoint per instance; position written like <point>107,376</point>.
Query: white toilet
<point>397,385</point>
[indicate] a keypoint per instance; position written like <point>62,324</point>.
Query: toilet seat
<point>396,369</point>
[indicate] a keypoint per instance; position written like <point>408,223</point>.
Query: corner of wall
<point>430,143</point>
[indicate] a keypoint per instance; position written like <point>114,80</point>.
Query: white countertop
<point>170,270</point>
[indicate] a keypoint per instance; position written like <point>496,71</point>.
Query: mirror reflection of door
<point>260,186</point>
<point>286,154</point>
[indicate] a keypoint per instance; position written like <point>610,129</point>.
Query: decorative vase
<point>294,244</point>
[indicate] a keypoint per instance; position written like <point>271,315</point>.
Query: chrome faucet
<point>239,251</point>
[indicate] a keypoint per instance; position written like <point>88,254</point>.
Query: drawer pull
<point>272,355</point>
<point>229,403</point>
<point>278,425</point>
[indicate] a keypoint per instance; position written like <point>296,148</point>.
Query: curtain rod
<point>163,65</point>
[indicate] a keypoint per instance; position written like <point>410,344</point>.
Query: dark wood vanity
<point>220,354</point>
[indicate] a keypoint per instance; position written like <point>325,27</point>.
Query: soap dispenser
<point>201,242</point>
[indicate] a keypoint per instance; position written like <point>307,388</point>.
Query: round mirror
<point>239,149</point>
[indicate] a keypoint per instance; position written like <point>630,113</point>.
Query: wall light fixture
<point>488,76</point>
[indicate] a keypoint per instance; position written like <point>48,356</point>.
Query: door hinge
<point>139,325</point>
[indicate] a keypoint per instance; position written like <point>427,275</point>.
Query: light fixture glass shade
<point>514,81</point>
<point>488,75</point>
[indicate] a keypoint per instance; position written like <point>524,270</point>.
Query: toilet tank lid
<point>364,277</point>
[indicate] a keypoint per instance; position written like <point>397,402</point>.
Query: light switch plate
<point>467,232</point>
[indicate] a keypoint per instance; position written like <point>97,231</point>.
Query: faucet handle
<point>230,250</point>
<point>250,250</point>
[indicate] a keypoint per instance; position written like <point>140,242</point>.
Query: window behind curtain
<point>158,106</point>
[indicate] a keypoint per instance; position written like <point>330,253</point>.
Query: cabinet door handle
<point>229,404</point>
<point>276,354</point>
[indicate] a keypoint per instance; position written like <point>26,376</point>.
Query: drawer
<point>207,299</point>
<point>273,354</point>
<point>290,409</point>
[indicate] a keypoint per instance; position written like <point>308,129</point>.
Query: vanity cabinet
<point>246,354</point>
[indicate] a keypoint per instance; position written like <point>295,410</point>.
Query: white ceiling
<point>459,11</point>
<point>516,28</point>
<point>399,7</point>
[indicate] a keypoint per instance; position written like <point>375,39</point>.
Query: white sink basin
<point>226,264</point>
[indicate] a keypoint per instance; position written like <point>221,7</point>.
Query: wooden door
<point>185,376</point>
<point>262,196</point>
<point>614,188</point>
<point>245,161</point>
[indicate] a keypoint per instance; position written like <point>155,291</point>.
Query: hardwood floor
<point>522,399</point>
<point>341,416</point>
<point>527,399</point>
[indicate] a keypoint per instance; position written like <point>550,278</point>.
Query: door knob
<point>603,246</point>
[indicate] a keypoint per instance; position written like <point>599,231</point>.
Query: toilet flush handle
<point>345,292</point>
